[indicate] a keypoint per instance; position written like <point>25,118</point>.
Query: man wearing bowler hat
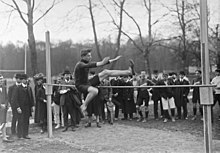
<point>23,101</point>
<point>66,101</point>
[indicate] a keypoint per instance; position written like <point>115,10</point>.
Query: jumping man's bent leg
<point>92,92</point>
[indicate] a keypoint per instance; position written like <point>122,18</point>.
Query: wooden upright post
<point>48,87</point>
<point>205,76</point>
<point>25,58</point>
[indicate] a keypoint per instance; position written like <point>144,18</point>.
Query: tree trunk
<point>94,31</point>
<point>218,55</point>
<point>31,40</point>
<point>32,48</point>
<point>147,52</point>
<point>218,45</point>
<point>119,34</point>
<point>147,62</point>
<point>185,60</point>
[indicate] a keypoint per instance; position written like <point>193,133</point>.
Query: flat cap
<point>84,52</point>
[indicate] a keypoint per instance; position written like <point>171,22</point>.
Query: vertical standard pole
<point>48,87</point>
<point>25,58</point>
<point>205,74</point>
<point>218,23</point>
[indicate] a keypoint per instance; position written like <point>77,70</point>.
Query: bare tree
<point>29,22</point>
<point>120,5</point>
<point>143,44</point>
<point>187,17</point>
<point>94,30</point>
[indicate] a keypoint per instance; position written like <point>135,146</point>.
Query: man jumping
<point>84,85</point>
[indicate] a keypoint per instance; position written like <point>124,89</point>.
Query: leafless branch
<point>169,47</point>
<point>132,40</point>
<point>8,4</point>
<point>11,6</point>
<point>135,22</point>
<point>160,18</point>
<point>124,33</point>
<point>19,12</point>
<point>36,6</point>
<point>48,10</point>
<point>145,4</point>
<point>9,18</point>
<point>194,19</point>
<point>33,5</point>
<point>179,14</point>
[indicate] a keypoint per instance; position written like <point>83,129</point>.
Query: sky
<point>70,20</point>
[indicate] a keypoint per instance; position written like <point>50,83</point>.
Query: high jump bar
<point>12,70</point>
<point>156,86</point>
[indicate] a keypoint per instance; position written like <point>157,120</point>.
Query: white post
<point>48,87</point>
<point>205,75</point>
<point>218,20</point>
<point>25,58</point>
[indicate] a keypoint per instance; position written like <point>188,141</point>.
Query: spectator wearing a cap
<point>167,97</point>
<point>156,95</point>
<point>216,81</point>
<point>23,101</point>
<point>67,103</point>
<point>81,73</point>
<point>143,97</point>
<point>181,94</point>
<point>11,90</point>
<point>42,102</point>
<point>196,94</point>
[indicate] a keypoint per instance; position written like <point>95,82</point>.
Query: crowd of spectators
<point>111,104</point>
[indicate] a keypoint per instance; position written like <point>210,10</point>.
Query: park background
<point>156,34</point>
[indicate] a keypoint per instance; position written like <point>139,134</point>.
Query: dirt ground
<point>182,136</point>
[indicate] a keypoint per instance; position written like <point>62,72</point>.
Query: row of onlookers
<point>66,100</point>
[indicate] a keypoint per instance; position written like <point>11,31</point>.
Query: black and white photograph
<point>110,76</point>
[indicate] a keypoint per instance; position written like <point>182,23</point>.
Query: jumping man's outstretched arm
<point>107,60</point>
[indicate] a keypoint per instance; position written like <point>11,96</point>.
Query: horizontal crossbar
<point>156,86</point>
<point>12,70</point>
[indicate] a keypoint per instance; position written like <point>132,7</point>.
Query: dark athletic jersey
<point>81,72</point>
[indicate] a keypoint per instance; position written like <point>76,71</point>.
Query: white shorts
<point>169,102</point>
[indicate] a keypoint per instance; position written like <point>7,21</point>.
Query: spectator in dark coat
<point>156,96</point>
<point>143,97</point>
<point>167,97</point>
<point>181,94</point>
<point>42,102</point>
<point>11,90</point>
<point>196,94</point>
<point>67,101</point>
<point>117,95</point>
<point>24,102</point>
<point>105,93</point>
<point>36,115</point>
<point>128,106</point>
